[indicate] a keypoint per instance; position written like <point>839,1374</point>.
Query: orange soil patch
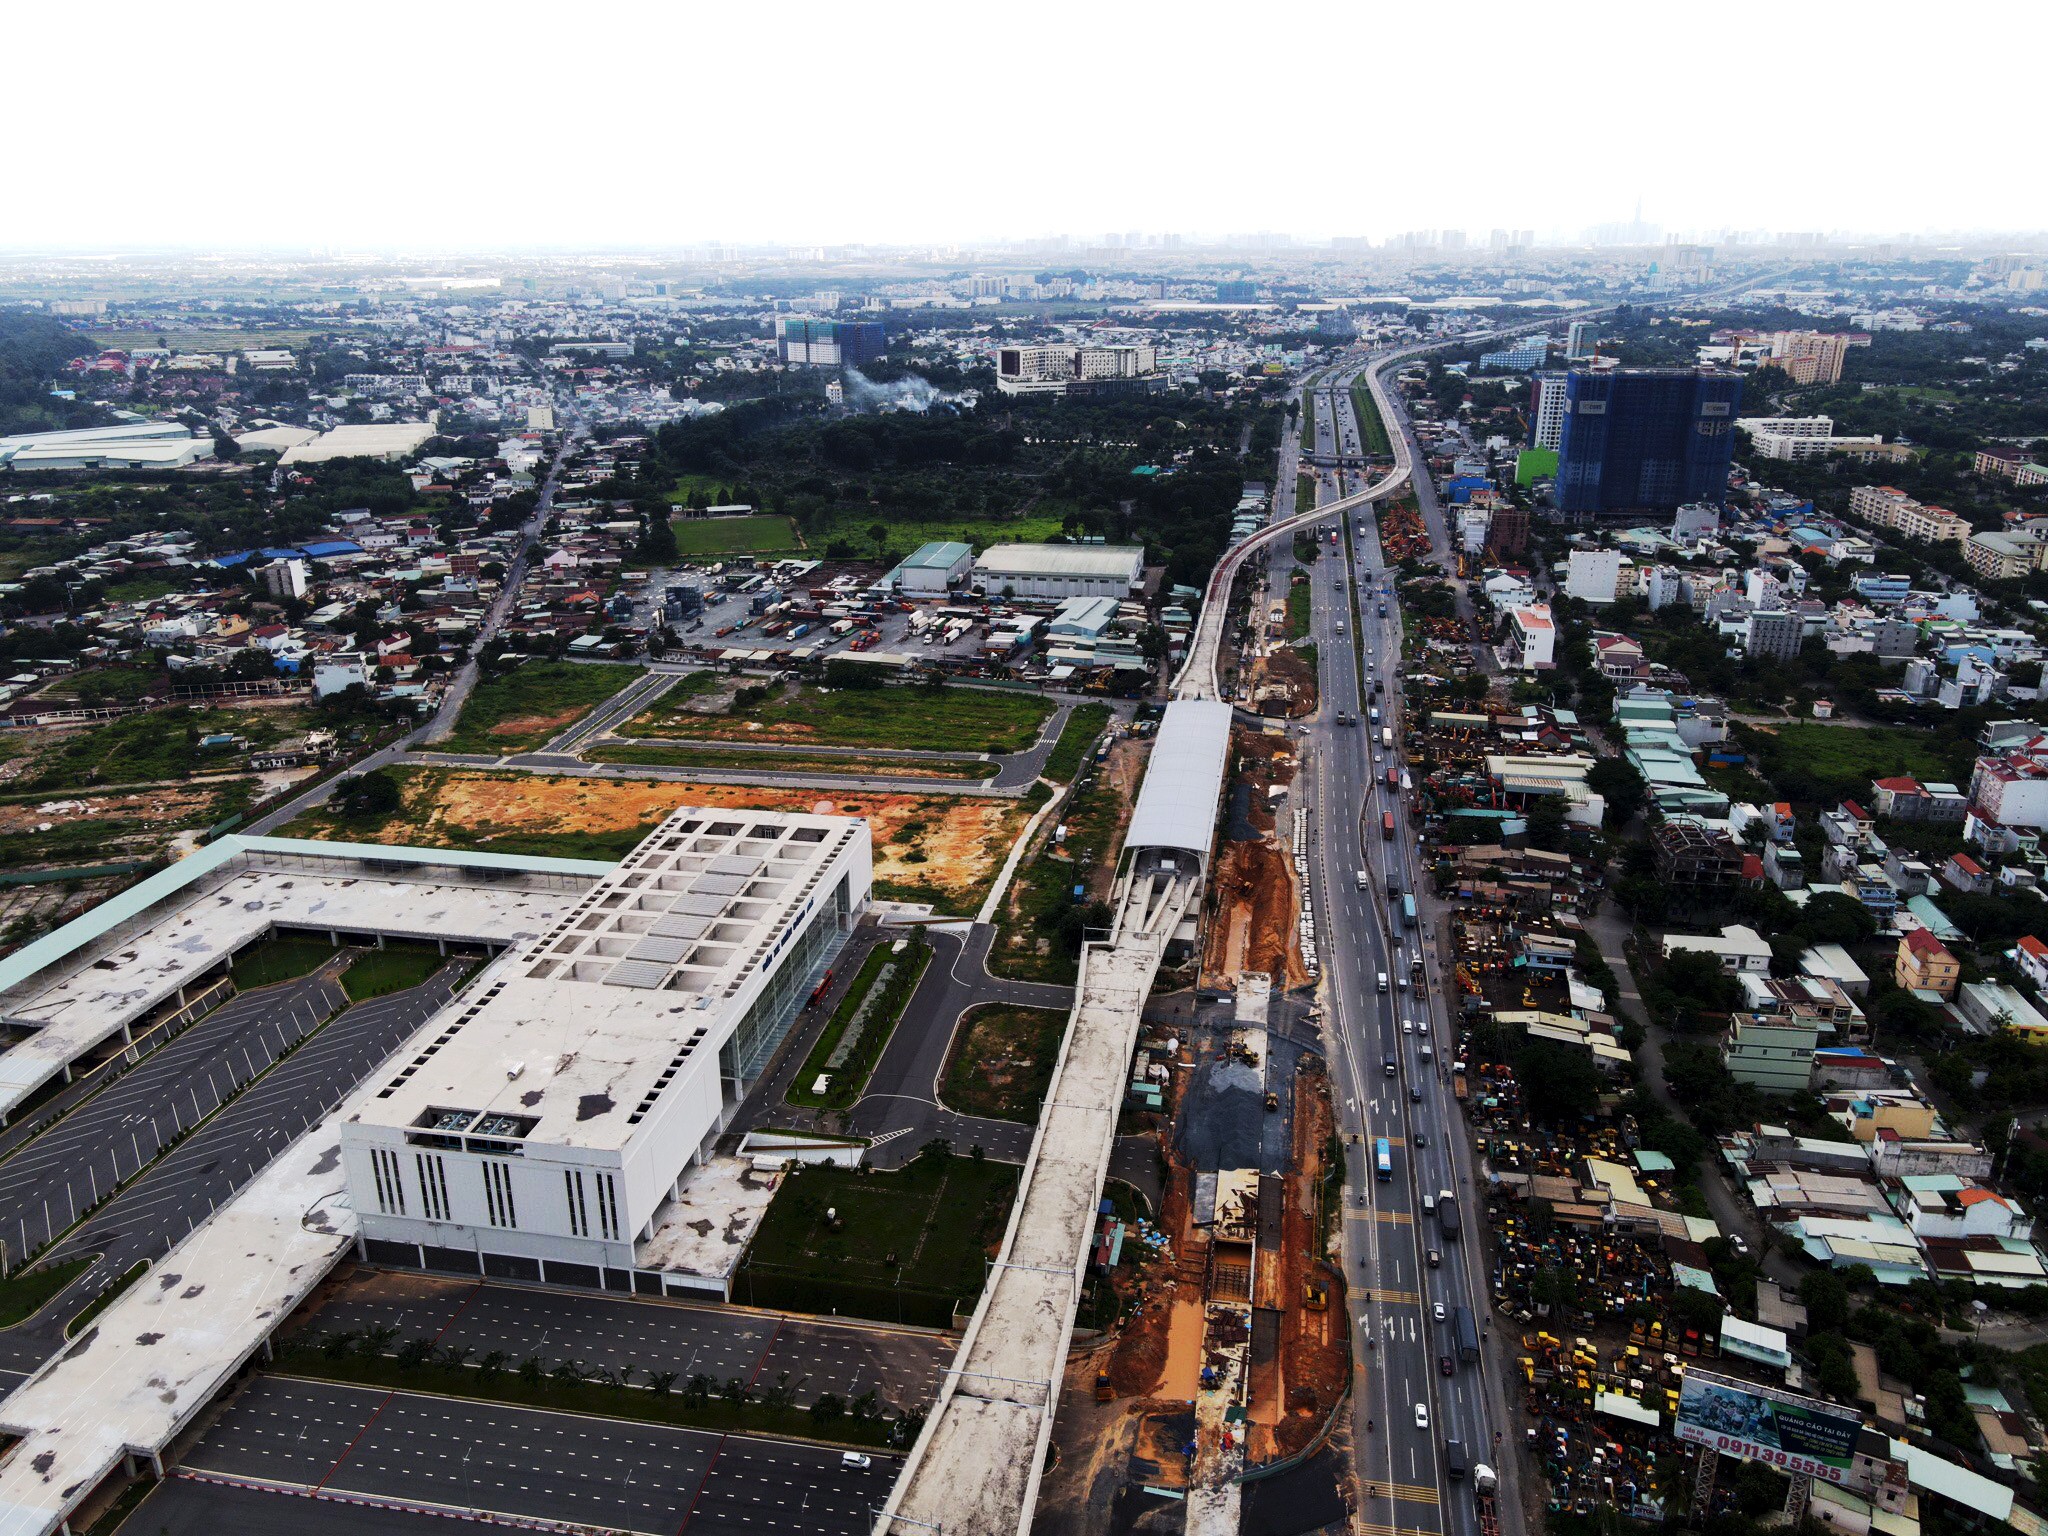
<point>1284,683</point>
<point>1255,898</point>
<point>520,725</point>
<point>1314,1347</point>
<point>954,842</point>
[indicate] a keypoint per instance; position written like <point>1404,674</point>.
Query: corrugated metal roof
<point>1184,779</point>
<point>1062,560</point>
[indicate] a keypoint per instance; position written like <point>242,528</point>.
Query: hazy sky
<point>434,124</point>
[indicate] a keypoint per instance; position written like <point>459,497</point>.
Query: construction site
<point>1252,894</point>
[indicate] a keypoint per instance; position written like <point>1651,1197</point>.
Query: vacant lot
<point>1823,763</point>
<point>105,685</point>
<point>756,535</point>
<point>904,1245</point>
<point>938,848</point>
<point>905,535</point>
<point>156,746</point>
<point>1001,1061</point>
<point>531,704</point>
<point>730,760</point>
<point>914,719</point>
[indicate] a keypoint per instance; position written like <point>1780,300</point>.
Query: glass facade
<point>764,1025</point>
<point>1638,439</point>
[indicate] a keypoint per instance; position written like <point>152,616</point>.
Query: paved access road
<point>56,1177</point>
<point>1388,1235</point>
<point>415,1449</point>
<point>901,1366</point>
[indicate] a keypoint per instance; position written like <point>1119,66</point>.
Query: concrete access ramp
<point>976,1466</point>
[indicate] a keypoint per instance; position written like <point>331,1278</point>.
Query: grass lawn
<point>1308,419</point>
<point>759,534</point>
<point>923,1233</point>
<point>910,719</point>
<point>393,968</point>
<point>1304,501</point>
<point>1077,737</point>
<point>1001,1061</point>
<point>1372,432</point>
<point>531,704</point>
<point>1297,609</point>
<point>792,762</point>
<point>269,961</point>
<point>1808,760</point>
<point>25,1291</point>
<point>876,999</point>
<point>1034,935</point>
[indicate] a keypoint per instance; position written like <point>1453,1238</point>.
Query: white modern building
<point>932,569</point>
<point>1052,370</point>
<point>1591,575</point>
<point>1548,410</point>
<point>541,1128</point>
<point>1060,570</point>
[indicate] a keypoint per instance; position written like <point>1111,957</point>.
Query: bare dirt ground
<point>1255,900</point>
<point>1284,683</point>
<point>955,843</point>
<point>163,804</point>
<point>521,725</point>
<point>1314,1347</point>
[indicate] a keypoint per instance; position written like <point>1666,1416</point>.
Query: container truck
<point>1466,1331</point>
<point>1447,1216</point>
<point>1387,825</point>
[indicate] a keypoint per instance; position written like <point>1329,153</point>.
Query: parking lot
<point>902,1367</point>
<point>525,1462</point>
<point>181,1190</point>
<point>58,1176</point>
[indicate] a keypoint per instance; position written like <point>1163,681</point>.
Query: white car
<point>1436,1310</point>
<point>1422,1415</point>
<point>855,1459</point>
<point>1407,1026</point>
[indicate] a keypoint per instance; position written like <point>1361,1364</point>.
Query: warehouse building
<point>137,445</point>
<point>933,568</point>
<point>1060,570</point>
<point>542,1127</point>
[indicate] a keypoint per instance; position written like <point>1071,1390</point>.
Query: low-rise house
<point>1924,964</point>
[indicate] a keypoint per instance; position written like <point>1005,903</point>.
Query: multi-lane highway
<point>1391,1048</point>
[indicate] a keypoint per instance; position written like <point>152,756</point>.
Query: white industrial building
<point>1053,369</point>
<point>372,440</point>
<point>1060,570</point>
<point>542,1126</point>
<point>136,445</point>
<point>934,568</point>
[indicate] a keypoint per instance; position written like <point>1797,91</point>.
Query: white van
<point>1429,1205</point>
<point>1383,981</point>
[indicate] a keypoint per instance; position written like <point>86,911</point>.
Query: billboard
<point>1781,1429</point>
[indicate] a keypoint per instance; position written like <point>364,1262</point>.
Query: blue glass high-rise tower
<point>1645,439</point>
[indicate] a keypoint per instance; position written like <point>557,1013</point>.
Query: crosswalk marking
<point>1374,1528</point>
<point>1413,1493</point>
<point>1392,1298</point>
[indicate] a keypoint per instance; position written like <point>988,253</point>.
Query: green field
<point>908,1244</point>
<point>269,961</point>
<point>1077,737</point>
<point>1817,762</point>
<point>105,685</point>
<point>532,704</point>
<point>1001,1062</point>
<point>793,762</point>
<point>1308,420</point>
<point>394,968</point>
<point>212,340</point>
<point>756,535</point>
<point>880,1002</point>
<point>25,1291</point>
<point>140,589</point>
<point>908,719</point>
<point>906,534</point>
